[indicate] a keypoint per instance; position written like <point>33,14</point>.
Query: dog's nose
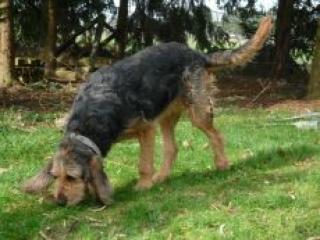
<point>61,200</point>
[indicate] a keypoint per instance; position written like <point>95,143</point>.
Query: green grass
<point>271,191</point>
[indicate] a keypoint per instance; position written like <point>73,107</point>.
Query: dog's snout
<point>61,199</point>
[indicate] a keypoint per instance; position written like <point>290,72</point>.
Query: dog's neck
<point>103,136</point>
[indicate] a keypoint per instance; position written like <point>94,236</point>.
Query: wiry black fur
<point>140,86</point>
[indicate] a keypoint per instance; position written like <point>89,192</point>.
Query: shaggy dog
<point>128,100</point>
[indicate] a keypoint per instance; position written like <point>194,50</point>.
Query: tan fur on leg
<point>146,169</point>
<point>170,148</point>
<point>203,121</point>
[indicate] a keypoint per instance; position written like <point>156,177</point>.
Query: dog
<point>128,100</point>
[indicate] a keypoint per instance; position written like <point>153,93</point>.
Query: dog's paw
<point>223,165</point>
<point>159,177</point>
<point>143,184</point>
<point>106,202</point>
<point>36,184</point>
<point>28,187</point>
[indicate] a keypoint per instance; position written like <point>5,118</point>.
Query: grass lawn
<point>272,190</point>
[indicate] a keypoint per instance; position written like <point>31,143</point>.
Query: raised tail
<point>245,53</point>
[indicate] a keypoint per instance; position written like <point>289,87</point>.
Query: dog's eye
<point>70,178</point>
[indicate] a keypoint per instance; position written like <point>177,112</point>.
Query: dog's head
<point>76,170</point>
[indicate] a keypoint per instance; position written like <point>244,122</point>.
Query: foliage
<point>189,18</point>
<point>305,15</point>
<point>174,21</point>
<point>30,19</point>
<point>159,20</point>
<point>74,14</point>
<point>27,15</point>
<point>304,26</point>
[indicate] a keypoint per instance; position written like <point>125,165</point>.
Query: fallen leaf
<point>3,170</point>
<point>205,146</point>
<point>98,209</point>
<point>314,238</point>
<point>90,219</point>
<point>186,144</point>
<point>292,195</point>
<point>44,236</point>
<point>221,229</point>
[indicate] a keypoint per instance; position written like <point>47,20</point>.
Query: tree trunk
<point>51,39</point>
<point>122,27</point>
<point>282,38</point>
<point>96,43</point>
<point>314,83</point>
<point>147,31</point>
<point>6,44</point>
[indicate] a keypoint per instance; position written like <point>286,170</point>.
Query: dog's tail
<point>245,53</point>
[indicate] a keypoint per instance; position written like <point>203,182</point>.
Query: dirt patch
<point>37,99</point>
<point>248,92</point>
<point>298,106</point>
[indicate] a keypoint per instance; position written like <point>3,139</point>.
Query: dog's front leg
<point>170,148</point>
<point>146,169</point>
<point>39,182</point>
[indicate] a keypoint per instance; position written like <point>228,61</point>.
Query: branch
<point>80,31</point>
<point>64,46</point>
<point>109,27</point>
<point>96,43</point>
<point>108,39</point>
<point>31,4</point>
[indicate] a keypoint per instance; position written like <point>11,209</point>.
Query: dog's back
<point>148,81</point>
<point>143,85</point>
<point>140,86</point>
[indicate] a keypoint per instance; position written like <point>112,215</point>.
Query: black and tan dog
<point>128,100</point>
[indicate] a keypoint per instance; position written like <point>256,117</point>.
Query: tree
<point>122,27</point>
<point>314,84</point>
<point>6,44</point>
<point>96,43</point>
<point>282,38</point>
<point>295,27</point>
<point>51,40</point>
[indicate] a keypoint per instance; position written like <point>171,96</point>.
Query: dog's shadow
<point>257,166</point>
<point>197,191</point>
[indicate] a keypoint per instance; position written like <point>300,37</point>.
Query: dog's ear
<point>100,181</point>
<point>39,182</point>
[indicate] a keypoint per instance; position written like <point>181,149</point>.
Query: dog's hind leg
<point>146,139</point>
<point>170,148</point>
<point>204,121</point>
